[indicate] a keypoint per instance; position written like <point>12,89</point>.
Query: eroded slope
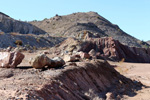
<point>86,80</point>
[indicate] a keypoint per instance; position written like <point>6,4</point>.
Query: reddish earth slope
<point>87,80</point>
<point>107,48</point>
<point>114,50</point>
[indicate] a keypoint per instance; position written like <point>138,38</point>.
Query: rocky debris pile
<point>103,48</point>
<point>10,59</point>
<point>42,61</point>
<point>87,34</point>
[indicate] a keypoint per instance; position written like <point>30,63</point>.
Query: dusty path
<point>139,72</point>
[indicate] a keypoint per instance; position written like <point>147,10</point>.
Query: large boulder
<point>10,59</point>
<point>57,62</point>
<point>71,58</point>
<point>40,61</point>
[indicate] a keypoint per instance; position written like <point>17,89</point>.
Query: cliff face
<point>7,25</point>
<point>74,24</point>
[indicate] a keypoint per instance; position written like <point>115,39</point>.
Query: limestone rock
<point>57,62</point>
<point>92,53</point>
<point>9,49</point>
<point>109,96</point>
<point>69,58</point>
<point>84,55</point>
<point>10,59</point>
<point>40,61</point>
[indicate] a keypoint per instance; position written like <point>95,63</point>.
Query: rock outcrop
<point>10,59</point>
<point>57,62</point>
<point>7,25</point>
<point>85,80</point>
<point>109,48</point>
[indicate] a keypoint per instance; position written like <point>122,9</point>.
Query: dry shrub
<point>19,42</point>
<point>38,40</point>
<point>1,33</point>
<point>34,48</point>
<point>122,60</point>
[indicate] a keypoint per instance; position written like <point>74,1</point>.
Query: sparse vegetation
<point>38,40</point>
<point>34,48</point>
<point>122,60</point>
<point>19,42</point>
<point>144,44</point>
<point>1,33</point>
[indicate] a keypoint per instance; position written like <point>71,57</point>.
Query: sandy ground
<point>139,72</point>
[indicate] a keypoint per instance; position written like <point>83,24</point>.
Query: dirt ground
<point>139,72</point>
<point>135,71</point>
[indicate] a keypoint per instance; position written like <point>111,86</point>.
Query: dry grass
<point>1,33</point>
<point>14,33</point>
<point>122,60</point>
<point>122,70</point>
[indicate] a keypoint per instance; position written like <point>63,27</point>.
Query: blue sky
<point>132,16</point>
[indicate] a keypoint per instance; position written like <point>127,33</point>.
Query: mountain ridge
<point>8,24</point>
<point>73,24</point>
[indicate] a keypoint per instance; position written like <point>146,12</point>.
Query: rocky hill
<point>76,24</point>
<point>8,24</point>
<point>148,42</point>
<point>105,48</point>
<point>27,40</point>
<point>13,31</point>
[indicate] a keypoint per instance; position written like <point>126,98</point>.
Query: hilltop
<point>8,24</point>
<point>12,31</point>
<point>77,23</point>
